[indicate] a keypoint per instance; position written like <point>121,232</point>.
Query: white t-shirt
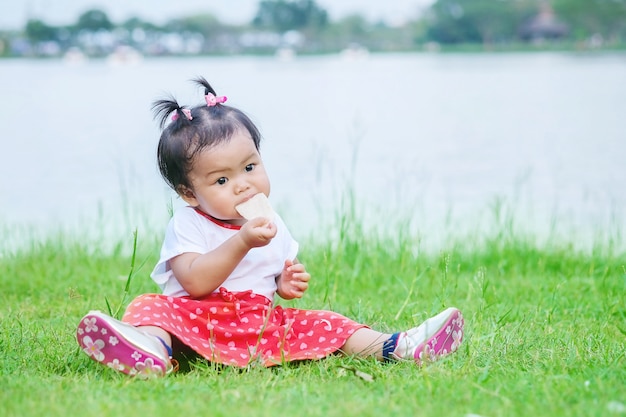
<point>190,231</point>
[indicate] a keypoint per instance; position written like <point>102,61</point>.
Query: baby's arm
<point>293,281</point>
<point>201,274</point>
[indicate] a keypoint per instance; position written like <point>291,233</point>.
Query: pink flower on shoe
<point>115,364</point>
<point>94,348</point>
<point>90,325</point>
<point>457,336</point>
<point>148,369</point>
<point>427,354</point>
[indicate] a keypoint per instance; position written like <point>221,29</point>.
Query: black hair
<point>184,137</point>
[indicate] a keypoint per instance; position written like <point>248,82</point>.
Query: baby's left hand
<point>293,281</point>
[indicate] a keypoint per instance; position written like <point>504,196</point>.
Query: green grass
<point>545,330</point>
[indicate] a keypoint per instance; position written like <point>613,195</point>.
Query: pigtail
<point>161,110</point>
<point>186,136</point>
<point>202,82</point>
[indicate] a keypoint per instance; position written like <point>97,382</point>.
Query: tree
<point>283,15</point>
<point>38,31</point>
<point>206,24</point>
<point>456,21</point>
<point>93,20</point>
<point>589,17</point>
<point>137,23</point>
<point>474,21</point>
<point>354,26</point>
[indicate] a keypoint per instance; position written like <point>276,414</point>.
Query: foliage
<point>285,15</point>
<point>478,21</point>
<point>306,27</point>
<point>205,24</point>
<point>486,21</point>
<point>38,31</point>
<point>137,23</point>
<point>588,17</point>
<point>93,20</point>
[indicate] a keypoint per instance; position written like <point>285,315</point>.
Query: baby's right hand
<point>258,232</point>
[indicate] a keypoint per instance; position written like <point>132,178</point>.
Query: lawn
<point>545,330</point>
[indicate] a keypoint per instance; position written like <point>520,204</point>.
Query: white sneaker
<point>122,347</point>
<point>435,338</point>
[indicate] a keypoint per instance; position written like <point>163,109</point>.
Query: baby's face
<point>225,176</point>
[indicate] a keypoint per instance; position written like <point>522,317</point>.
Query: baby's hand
<point>258,232</point>
<point>293,281</point>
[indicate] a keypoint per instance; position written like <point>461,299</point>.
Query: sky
<point>14,14</point>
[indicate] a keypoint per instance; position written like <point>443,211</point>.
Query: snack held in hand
<point>257,206</point>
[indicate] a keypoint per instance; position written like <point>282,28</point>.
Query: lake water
<point>437,139</point>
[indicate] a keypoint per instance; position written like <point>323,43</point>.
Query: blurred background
<point>447,115</point>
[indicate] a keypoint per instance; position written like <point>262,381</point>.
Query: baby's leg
<point>438,336</point>
<point>366,342</point>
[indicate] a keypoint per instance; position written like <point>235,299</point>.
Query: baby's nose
<point>242,185</point>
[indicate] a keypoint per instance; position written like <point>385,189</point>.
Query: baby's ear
<point>187,194</point>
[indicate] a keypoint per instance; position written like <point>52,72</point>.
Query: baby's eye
<point>221,181</point>
<point>249,167</point>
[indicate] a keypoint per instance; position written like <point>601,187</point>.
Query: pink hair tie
<point>186,112</point>
<point>212,100</point>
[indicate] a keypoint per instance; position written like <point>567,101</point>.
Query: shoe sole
<point>104,341</point>
<point>445,338</point>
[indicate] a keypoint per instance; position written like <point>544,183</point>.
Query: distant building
<point>545,25</point>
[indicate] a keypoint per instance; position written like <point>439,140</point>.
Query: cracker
<point>257,206</point>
